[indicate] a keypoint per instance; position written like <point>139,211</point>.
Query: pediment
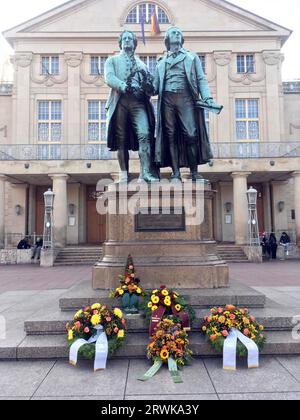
<point>89,16</point>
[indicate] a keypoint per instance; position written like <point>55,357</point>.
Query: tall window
<point>146,10</point>
<point>150,61</point>
<point>245,63</point>
<point>97,130</point>
<point>49,129</point>
<point>97,65</point>
<point>247,119</point>
<point>50,65</point>
<point>203,61</point>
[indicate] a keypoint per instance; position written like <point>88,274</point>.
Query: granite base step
<point>53,323</point>
<point>55,346</point>
<point>237,294</point>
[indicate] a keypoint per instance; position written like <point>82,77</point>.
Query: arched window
<point>146,10</point>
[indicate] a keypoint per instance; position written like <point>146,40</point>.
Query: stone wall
<point>15,256</point>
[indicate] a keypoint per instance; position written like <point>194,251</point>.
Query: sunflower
<point>167,301</point>
<point>155,299</point>
<point>178,308</point>
<point>165,292</point>
<point>154,308</point>
<point>164,355</point>
<point>150,304</point>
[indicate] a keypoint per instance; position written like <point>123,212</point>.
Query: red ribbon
<point>157,316</point>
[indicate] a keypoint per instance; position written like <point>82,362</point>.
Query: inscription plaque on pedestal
<point>160,220</point>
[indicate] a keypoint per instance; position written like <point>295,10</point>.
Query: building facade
<point>53,118</point>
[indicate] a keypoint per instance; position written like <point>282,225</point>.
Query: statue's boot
<point>192,150</point>
<point>146,166</point>
<point>176,176</point>
<point>123,157</point>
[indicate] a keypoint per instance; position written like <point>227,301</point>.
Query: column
<point>222,60</point>
<point>296,176</point>
<point>60,211</point>
<point>2,210</point>
<point>73,60</point>
<point>240,204</point>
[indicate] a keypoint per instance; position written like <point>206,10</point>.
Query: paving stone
<point>270,377</point>
<point>261,396</point>
<point>22,379</point>
<point>70,381</point>
<point>195,380</point>
<point>292,364</point>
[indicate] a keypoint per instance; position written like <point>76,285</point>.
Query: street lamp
<point>48,219</point>
<point>253,232</point>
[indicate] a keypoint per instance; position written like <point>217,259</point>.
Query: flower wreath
<point>169,344</point>
<point>88,320</point>
<point>218,324</point>
<point>164,302</point>
<point>168,299</point>
<point>129,283</point>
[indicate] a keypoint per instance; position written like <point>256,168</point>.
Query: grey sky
<point>285,13</point>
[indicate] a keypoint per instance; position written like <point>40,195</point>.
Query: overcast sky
<point>283,12</point>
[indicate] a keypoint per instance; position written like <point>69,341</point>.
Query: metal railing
<point>230,150</point>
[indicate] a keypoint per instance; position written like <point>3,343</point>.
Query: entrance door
<point>40,210</point>
<point>96,223</point>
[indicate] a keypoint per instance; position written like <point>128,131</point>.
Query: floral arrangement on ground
<point>218,324</point>
<point>173,303</point>
<point>169,341</point>
<point>85,323</point>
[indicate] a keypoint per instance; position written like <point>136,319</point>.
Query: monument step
<point>273,319</point>
<point>55,346</point>
<point>237,294</point>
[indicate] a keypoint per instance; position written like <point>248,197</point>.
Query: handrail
<point>221,150</point>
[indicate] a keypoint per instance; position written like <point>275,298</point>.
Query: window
<point>203,61</point>
<point>146,10</point>
<point>49,129</point>
<point>97,130</point>
<point>50,65</point>
<point>247,119</point>
<point>97,65</point>
<point>150,61</point>
<point>245,63</point>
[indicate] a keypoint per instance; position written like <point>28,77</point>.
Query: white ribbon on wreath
<point>101,351</point>
<point>230,348</point>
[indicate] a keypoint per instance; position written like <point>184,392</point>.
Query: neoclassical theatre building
<point>53,118</point>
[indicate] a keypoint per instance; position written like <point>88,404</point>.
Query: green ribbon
<point>152,371</point>
<point>174,371</point>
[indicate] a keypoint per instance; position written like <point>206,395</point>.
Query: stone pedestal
<point>177,250</point>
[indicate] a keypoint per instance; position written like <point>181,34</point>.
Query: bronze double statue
<point>183,93</point>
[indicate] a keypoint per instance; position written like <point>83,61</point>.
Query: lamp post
<point>48,219</point>
<point>253,232</point>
